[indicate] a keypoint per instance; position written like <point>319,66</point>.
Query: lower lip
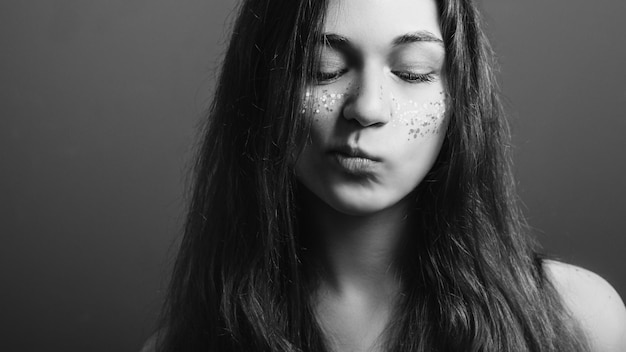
<point>355,165</point>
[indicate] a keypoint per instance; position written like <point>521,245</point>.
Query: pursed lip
<point>350,152</point>
<point>353,161</point>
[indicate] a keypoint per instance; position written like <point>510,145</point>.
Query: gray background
<point>98,104</point>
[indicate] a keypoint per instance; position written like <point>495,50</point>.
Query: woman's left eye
<point>413,77</point>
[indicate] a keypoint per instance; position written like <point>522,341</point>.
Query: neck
<point>357,252</point>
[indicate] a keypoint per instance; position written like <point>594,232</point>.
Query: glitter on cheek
<point>421,118</point>
<point>324,101</point>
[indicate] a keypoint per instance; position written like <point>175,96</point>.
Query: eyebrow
<point>416,37</point>
<point>338,41</point>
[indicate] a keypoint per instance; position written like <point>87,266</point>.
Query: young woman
<point>354,193</point>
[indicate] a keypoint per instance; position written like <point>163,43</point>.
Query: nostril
<point>368,106</point>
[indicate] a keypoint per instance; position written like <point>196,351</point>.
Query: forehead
<point>381,20</point>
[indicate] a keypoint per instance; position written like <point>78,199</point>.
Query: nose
<point>369,103</point>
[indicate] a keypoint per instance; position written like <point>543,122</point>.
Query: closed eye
<point>412,77</point>
<point>329,77</point>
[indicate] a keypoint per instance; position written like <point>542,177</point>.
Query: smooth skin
<point>594,303</point>
<point>386,63</point>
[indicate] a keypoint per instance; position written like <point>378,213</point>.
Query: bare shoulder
<point>593,302</point>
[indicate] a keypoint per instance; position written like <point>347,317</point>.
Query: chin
<point>356,209</point>
<point>360,204</point>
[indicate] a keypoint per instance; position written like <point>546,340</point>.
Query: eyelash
<point>413,78</point>
<point>409,77</point>
<point>329,77</point>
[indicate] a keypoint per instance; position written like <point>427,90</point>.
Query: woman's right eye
<point>326,77</point>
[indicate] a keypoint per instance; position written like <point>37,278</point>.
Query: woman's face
<point>378,106</point>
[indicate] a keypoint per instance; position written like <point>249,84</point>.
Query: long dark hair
<point>474,282</point>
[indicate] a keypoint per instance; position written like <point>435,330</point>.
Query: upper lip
<point>354,152</point>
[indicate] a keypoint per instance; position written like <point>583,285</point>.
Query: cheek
<point>324,102</point>
<point>420,118</point>
<point>419,124</point>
